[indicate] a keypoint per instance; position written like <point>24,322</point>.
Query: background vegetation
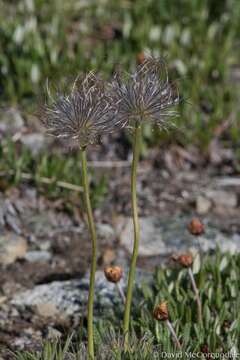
<point>199,38</point>
<point>55,40</point>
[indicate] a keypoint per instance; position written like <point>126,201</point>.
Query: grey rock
<point>45,245</point>
<point>228,181</point>
<point>9,216</point>
<point>38,256</point>
<point>3,299</point>
<point>12,247</point>
<point>105,232</point>
<point>27,338</point>
<point>64,296</point>
<point>13,222</point>
<point>46,223</point>
<point>53,334</point>
<point>203,205</point>
<point>47,309</point>
<point>69,298</point>
<point>222,198</point>
<point>39,224</point>
<point>162,237</point>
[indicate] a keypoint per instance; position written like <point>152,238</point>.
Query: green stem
<point>131,277</point>
<point>94,253</point>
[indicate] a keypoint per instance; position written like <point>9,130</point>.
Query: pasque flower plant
<point>79,118</point>
<point>146,95</point>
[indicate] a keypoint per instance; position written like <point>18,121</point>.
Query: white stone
<point>203,205</point>
<point>12,247</point>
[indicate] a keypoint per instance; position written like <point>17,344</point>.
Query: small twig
<point>45,180</point>
<point>196,292</point>
<point>121,293</point>
<point>227,181</point>
<point>109,164</point>
<point>172,331</point>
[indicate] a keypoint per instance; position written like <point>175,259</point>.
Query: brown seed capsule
<point>185,260</point>
<point>113,273</point>
<point>196,227</point>
<point>160,312</point>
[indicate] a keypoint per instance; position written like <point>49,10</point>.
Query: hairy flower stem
<point>121,293</point>
<point>131,277</point>
<point>172,331</point>
<point>94,253</point>
<point>195,289</point>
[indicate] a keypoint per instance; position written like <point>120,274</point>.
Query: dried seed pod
<point>196,227</point>
<point>160,312</point>
<point>113,273</point>
<point>185,260</point>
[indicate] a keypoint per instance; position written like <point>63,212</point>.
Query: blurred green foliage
<point>19,165</point>
<point>56,39</point>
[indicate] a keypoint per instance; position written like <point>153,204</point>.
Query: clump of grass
<point>217,277</point>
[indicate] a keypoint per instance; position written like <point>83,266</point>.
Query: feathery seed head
<point>82,116</point>
<point>145,95</point>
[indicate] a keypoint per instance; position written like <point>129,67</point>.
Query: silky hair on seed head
<point>146,95</point>
<point>80,117</point>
